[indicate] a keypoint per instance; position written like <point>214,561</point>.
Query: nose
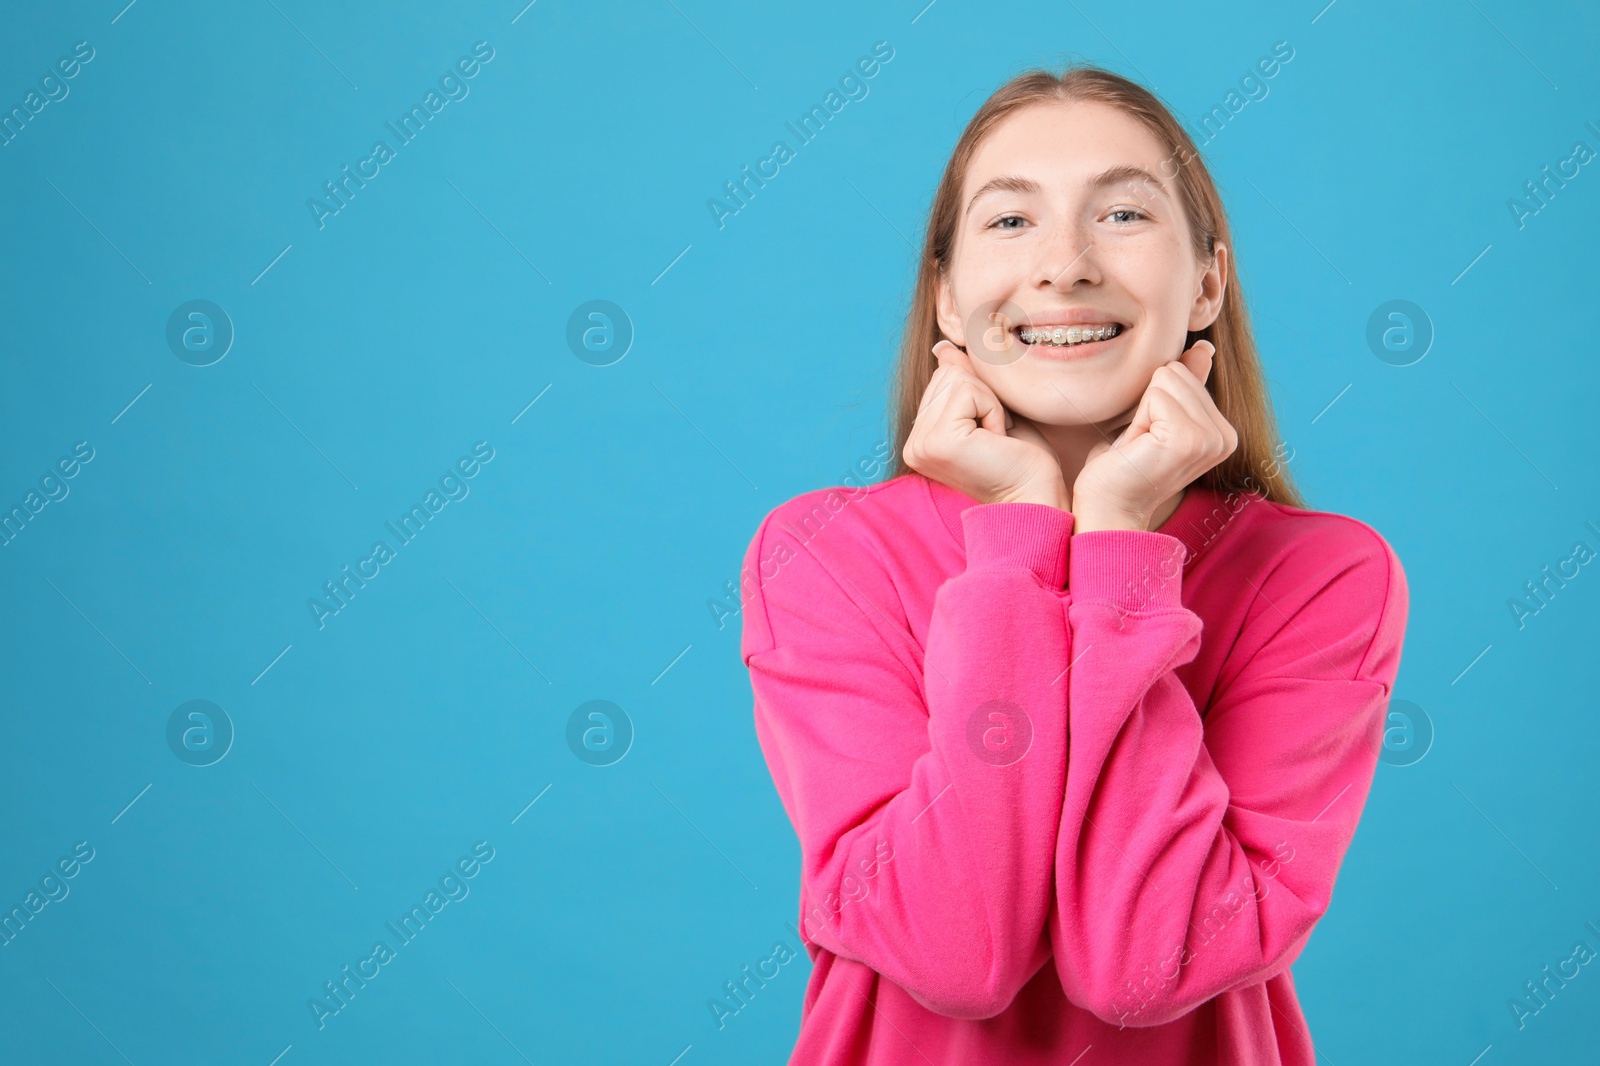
<point>1067,256</point>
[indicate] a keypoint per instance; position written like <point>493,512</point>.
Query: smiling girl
<point>1079,710</point>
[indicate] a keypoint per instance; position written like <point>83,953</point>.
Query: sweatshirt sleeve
<point>925,789</point>
<point>1196,853</point>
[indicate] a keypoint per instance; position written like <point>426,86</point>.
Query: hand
<point>1176,435</point>
<point>965,438</point>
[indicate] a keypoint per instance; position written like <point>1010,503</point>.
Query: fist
<point>1176,435</point>
<point>964,437</point>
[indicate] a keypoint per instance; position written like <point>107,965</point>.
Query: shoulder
<point>1328,581</point>
<point>828,550</point>
<point>1320,540</point>
<point>861,515</point>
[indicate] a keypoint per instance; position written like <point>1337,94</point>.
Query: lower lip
<point>1072,351</point>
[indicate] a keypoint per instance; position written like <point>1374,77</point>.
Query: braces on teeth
<point>1067,335</point>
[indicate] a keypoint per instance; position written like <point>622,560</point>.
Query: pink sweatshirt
<point>1057,792</point>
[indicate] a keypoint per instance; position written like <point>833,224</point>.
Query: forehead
<point>1060,143</point>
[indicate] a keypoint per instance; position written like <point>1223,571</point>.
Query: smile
<point>1067,336</point>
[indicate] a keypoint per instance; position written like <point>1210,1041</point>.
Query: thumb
<point>1199,360</point>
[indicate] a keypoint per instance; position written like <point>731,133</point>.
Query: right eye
<point>996,224</point>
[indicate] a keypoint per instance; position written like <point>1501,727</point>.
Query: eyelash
<point>1119,211</point>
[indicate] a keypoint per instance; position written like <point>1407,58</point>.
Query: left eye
<point>996,224</point>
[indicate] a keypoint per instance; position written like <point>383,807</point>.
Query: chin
<point>1063,400</point>
<point>1058,414</point>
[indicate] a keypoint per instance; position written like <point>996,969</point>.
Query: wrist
<point>1089,518</point>
<point>1050,495</point>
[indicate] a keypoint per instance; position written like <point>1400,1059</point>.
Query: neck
<point>1072,444</point>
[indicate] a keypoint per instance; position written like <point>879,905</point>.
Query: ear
<point>1209,290</point>
<point>950,323</point>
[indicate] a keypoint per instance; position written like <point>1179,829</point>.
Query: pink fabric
<point>1056,791</point>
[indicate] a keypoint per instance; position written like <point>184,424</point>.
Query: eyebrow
<point>1111,176</point>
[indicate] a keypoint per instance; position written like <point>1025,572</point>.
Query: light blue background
<point>432,710</point>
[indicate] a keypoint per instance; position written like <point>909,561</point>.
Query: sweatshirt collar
<point>1201,516</point>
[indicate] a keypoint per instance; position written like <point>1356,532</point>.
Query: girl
<point>1076,714</point>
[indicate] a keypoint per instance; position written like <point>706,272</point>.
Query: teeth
<point>1066,336</point>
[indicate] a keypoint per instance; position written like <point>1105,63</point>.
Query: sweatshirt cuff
<point>1033,536</point>
<point>1136,570</point>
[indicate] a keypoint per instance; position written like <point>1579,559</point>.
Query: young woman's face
<point>1056,227</point>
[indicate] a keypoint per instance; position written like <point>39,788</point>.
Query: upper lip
<point>1081,316</point>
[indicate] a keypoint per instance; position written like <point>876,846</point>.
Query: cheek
<point>1018,387</point>
<point>1157,275</point>
<point>989,271</point>
<point>1162,284</point>
<point>1162,342</point>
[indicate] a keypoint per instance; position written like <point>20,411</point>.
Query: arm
<point>926,831</point>
<point>1196,854</point>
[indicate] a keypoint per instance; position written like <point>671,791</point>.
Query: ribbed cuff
<point>1033,536</point>
<point>1134,569</point>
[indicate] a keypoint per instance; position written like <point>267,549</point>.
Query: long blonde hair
<point>1235,382</point>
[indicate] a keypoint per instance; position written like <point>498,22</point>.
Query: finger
<point>940,381</point>
<point>1197,400</point>
<point>936,385</point>
<point>1191,397</point>
<point>1023,428</point>
<point>985,408</point>
<point>1140,422</point>
<point>970,400</point>
<point>1167,397</point>
<point>1194,430</point>
<point>949,355</point>
<point>1114,429</point>
<point>1199,360</point>
<point>993,415</point>
<point>937,396</point>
